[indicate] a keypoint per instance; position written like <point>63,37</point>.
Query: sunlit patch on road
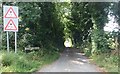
<point>77,62</point>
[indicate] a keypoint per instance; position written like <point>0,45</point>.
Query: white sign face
<point>10,18</point>
<point>10,25</point>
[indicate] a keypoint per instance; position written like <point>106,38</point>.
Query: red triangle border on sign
<point>13,24</point>
<point>13,12</point>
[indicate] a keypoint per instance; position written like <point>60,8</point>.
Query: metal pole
<point>1,7</point>
<point>7,42</point>
<point>1,40</point>
<point>15,42</point>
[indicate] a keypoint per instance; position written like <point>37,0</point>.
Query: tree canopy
<point>50,24</point>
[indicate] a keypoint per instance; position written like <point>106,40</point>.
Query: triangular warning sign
<point>10,13</point>
<point>11,26</point>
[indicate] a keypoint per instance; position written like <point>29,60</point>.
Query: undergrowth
<point>24,62</point>
<point>107,61</point>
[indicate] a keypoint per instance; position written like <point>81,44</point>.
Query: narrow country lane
<point>71,60</point>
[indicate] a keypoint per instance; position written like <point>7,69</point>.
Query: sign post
<point>15,42</point>
<point>8,42</point>
<point>1,26</point>
<point>10,20</point>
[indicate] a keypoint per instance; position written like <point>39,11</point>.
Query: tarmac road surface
<point>71,60</point>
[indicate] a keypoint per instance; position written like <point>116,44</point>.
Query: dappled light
<point>77,62</point>
<point>81,59</point>
<point>72,35</point>
<point>80,54</point>
<point>68,70</point>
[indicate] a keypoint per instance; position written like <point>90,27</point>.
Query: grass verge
<point>107,61</point>
<point>25,62</point>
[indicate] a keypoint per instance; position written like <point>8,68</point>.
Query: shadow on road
<point>71,60</point>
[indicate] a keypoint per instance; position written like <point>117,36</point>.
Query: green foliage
<point>100,41</point>
<point>88,22</point>
<point>8,59</point>
<point>99,18</point>
<point>81,19</point>
<point>29,24</point>
<point>87,52</point>
<point>48,25</point>
<point>25,62</point>
<point>107,61</point>
<point>39,25</point>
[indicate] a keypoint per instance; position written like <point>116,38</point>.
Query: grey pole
<point>7,41</point>
<point>15,42</point>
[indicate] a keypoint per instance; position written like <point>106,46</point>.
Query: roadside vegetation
<point>108,62</point>
<point>25,62</point>
<point>48,25</point>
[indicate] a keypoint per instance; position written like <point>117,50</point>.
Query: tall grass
<point>24,62</point>
<point>107,61</point>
